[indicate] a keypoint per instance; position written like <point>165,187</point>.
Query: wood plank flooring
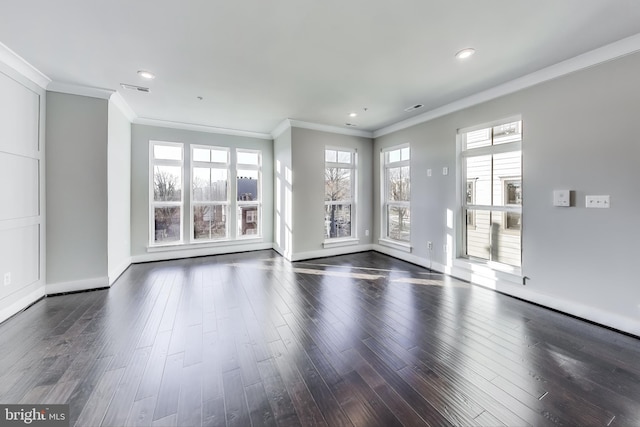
<point>358,340</point>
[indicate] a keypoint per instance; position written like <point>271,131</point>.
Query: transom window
<point>492,168</point>
<point>397,194</point>
<point>339,192</point>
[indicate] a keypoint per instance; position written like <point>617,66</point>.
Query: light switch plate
<point>562,198</point>
<point>601,202</point>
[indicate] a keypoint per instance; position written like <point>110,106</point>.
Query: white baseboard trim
<point>117,272</point>
<point>282,252</point>
<point>21,304</point>
<point>342,250</point>
<point>77,285</point>
<point>196,252</point>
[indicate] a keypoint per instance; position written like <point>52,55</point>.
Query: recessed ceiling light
<point>353,114</point>
<point>146,75</point>
<point>465,53</point>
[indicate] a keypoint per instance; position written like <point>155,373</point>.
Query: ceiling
<point>257,62</point>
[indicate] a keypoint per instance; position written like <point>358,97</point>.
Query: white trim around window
<point>396,197</point>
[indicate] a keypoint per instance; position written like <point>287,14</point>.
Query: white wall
<point>76,192</point>
<point>283,195</point>
<point>308,191</point>
<point>22,214</point>
<point>580,133</point>
<point>119,192</point>
<point>140,137</point>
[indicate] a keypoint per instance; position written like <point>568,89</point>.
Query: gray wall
<point>22,214</point>
<point>76,192</point>
<point>308,189</point>
<point>283,193</point>
<point>140,137</point>
<point>580,133</point>
<point>119,192</point>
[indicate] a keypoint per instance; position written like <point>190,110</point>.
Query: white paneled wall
<point>21,187</point>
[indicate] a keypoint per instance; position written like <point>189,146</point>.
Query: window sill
<point>404,247</point>
<point>336,243</point>
<point>207,244</point>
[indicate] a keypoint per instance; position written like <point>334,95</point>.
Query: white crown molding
<point>73,89</point>
<point>18,63</point>
<point>122,105</point>
<point>200,128</point>
<point>330,129</point>
<point>281,128</point>
<point>606,53</point>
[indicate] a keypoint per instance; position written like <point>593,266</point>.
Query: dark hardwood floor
<point>363,340</point>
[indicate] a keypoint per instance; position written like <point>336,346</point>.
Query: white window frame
<point>225,204</point>
<point>153,204</point>
<point>505,208</point>
<point>239,204</point>
<point>352,202</point>
<point>386,165</point>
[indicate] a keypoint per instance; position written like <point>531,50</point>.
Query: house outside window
<point>248,188</point>
<point>166,193</point>
<point>491,157</point>
<point>340,194</point>
<point>397,194</point>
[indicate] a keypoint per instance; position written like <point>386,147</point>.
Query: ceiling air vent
<point>136,88</point>
<point>413,107</point>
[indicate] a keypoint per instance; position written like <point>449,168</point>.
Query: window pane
<point>398,184</point>
<point>167,152</point>
<point>509,132</point>
<point>167,183</point>
<point>166,224</point>
<point>478,233</point>
<point>477,138</point>
<point>330,156</point>
<point>209,222</point>
<point>393,156</point>
<point>209,184</point>
<point>399,223</point>
<point>495,236</point>
<point>220,156</point>
<point>337,220</point>
<point>247,185</point>
<point>248,220</point>
<point>478,171</point>
<point>404,153</point>
<point>248,158</point>
<point>337,184</point>
<point>344,157</point>
<point>201,155</point>
<point>507,170</point>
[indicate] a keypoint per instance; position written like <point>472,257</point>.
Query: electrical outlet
<point>444,248</point>
<point>430,245</point>
<point>7,279</point>
<point>366,232</point>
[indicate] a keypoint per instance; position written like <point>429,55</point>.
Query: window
<point>339,192</point>
<point>397,194</point>
<point>214,175</point>
<point>210,192</point>
<point>492,167</point>
<point>166,192</point>
<point>248,197</point>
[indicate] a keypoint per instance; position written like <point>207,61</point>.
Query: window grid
<point>340,193</point>
<point>210,169</point>
<point>492,206</point>
<point>166,193</point>
<point>397,194</point>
